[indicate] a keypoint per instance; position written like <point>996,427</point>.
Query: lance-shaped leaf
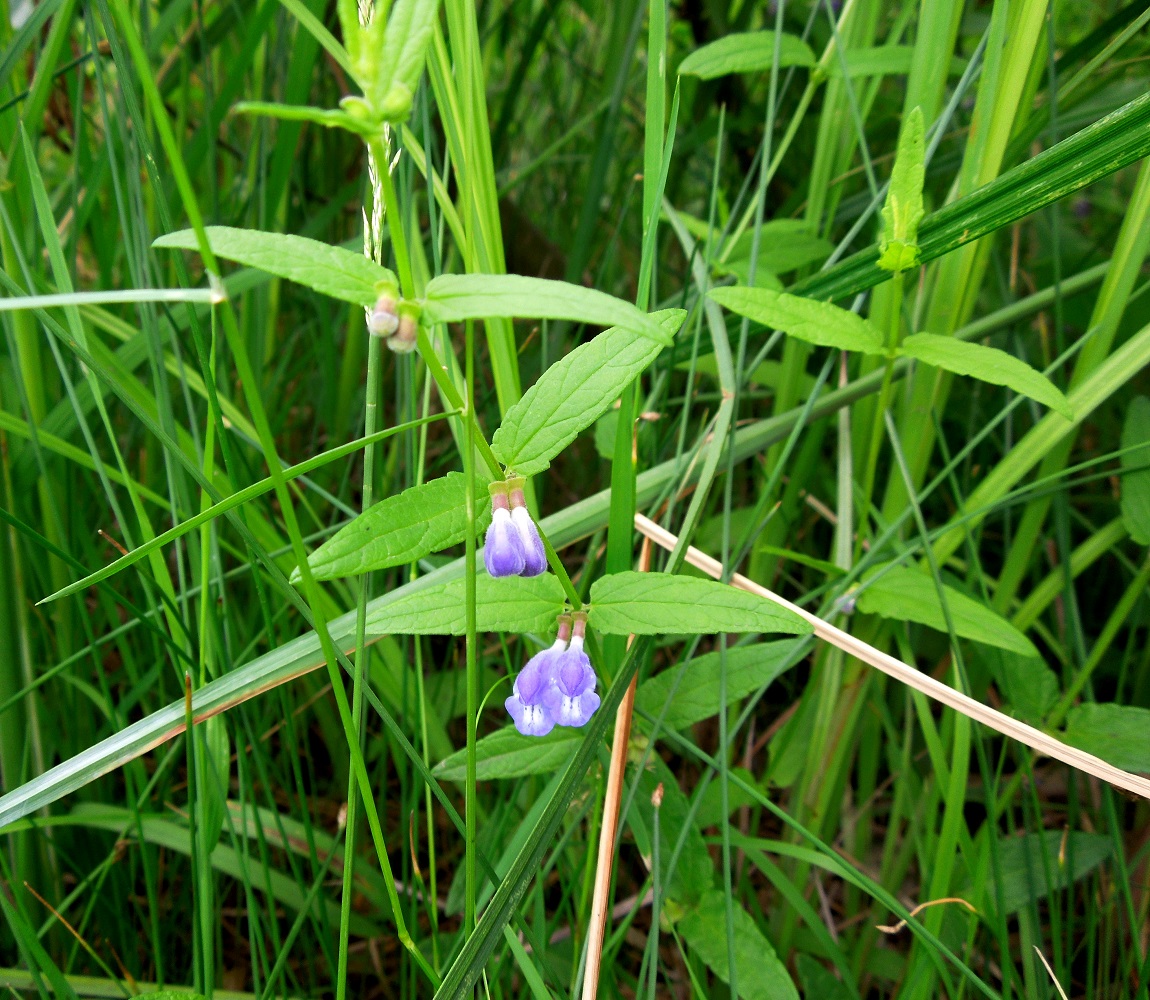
<point>327,117</point>
<point>573,393</point>
<point>508,754</point>
<point>988,364</point>
<point>661,604</point>
<point>398,530</point>
<point>746,52</point>
<point>452,298</point>
<point>758,971</point>
<point>906,594</point>
<point>815,322</point>
<point>1136,470</point>
<point>401,56</point>
<point>507,604</point>
<point>903,210</point>
<point>748,668</point>
<point>334,271</point>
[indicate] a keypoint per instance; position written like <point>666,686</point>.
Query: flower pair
<point>512,546</point>
<point>557,687</point>
<point>401,329</point>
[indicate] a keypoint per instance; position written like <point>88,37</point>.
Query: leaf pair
<point>827,325</point>
<point>621,604</point>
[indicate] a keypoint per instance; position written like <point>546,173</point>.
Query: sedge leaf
<point>334,271</point>
<point>903,209</point>
<point>759,972</point>
<point>815,322</point>
<point>661,604</point>
<point>904,594</point>
<point>453,298</point>
<point>1136,470</point>
<point>746,52</point>
<point>508,754</point>
<point>988,364</point>
<point>398,530</point>
<point>573,393</point>
<point>507,604</point>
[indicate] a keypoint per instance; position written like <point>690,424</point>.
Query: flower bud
<point>406,335</point>
<point>383,320</point>
<point>534,555</point>
<point>571,699</point>
<point>502,547</point>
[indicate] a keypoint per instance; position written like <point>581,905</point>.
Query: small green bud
<point>903,211</point>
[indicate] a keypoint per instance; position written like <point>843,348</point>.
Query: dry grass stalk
<point>600,899</point>
<point>1034,738</point>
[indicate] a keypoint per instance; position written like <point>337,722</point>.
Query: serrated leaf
<point>745,52</point>
<point>697,696</point>
<point>988,364</point>
<point>398,530</point>
<point>508,754</point>
<point>660,604</point>
<point>507,604</point>
<point>334,271</point>
<point>759,972</point>
<point>1119,734</point>
<point>1136,470</point>
<point>573,393</point>
<point>453,298</point>
<point>905,594</point>
<point>815,322</point>
<point>903,211</point>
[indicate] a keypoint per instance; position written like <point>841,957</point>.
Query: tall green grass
<point>188,802</point>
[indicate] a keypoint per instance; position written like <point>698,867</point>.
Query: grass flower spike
<point>571,699</point>
<point>527,706</point>
<point>534,555</point>
<point>502,547</point>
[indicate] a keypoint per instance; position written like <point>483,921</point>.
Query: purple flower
<point>571,699</point>
<point>526,706</point>
<point>503,553</point>
<point>534,556</point>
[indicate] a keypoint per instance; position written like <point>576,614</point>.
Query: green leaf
<point>401,57</point>
<point>328,118</point>
<point>452,298</point>
<point>815,322</point>
<point>334,271</point>
<point>1029,686</point>
<point>1136,470</point>
<point>760,974</point>
<point>905,594</point>
<point>398,530</point>
<point>1025,878</point>
<point>694,873</point>
<point>507,604</point>
<point>988,364</point>
<point>508,754</point>
<point>573,393</point>
<point>882,60</point>
<point>1119,734</point>
<point>818,981</point>
<point>697,697</point>
<point>903,211</point>
<point>661,604</point>
<point>745,52</point>
<point>215,764</point>
<point>784,245</point>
